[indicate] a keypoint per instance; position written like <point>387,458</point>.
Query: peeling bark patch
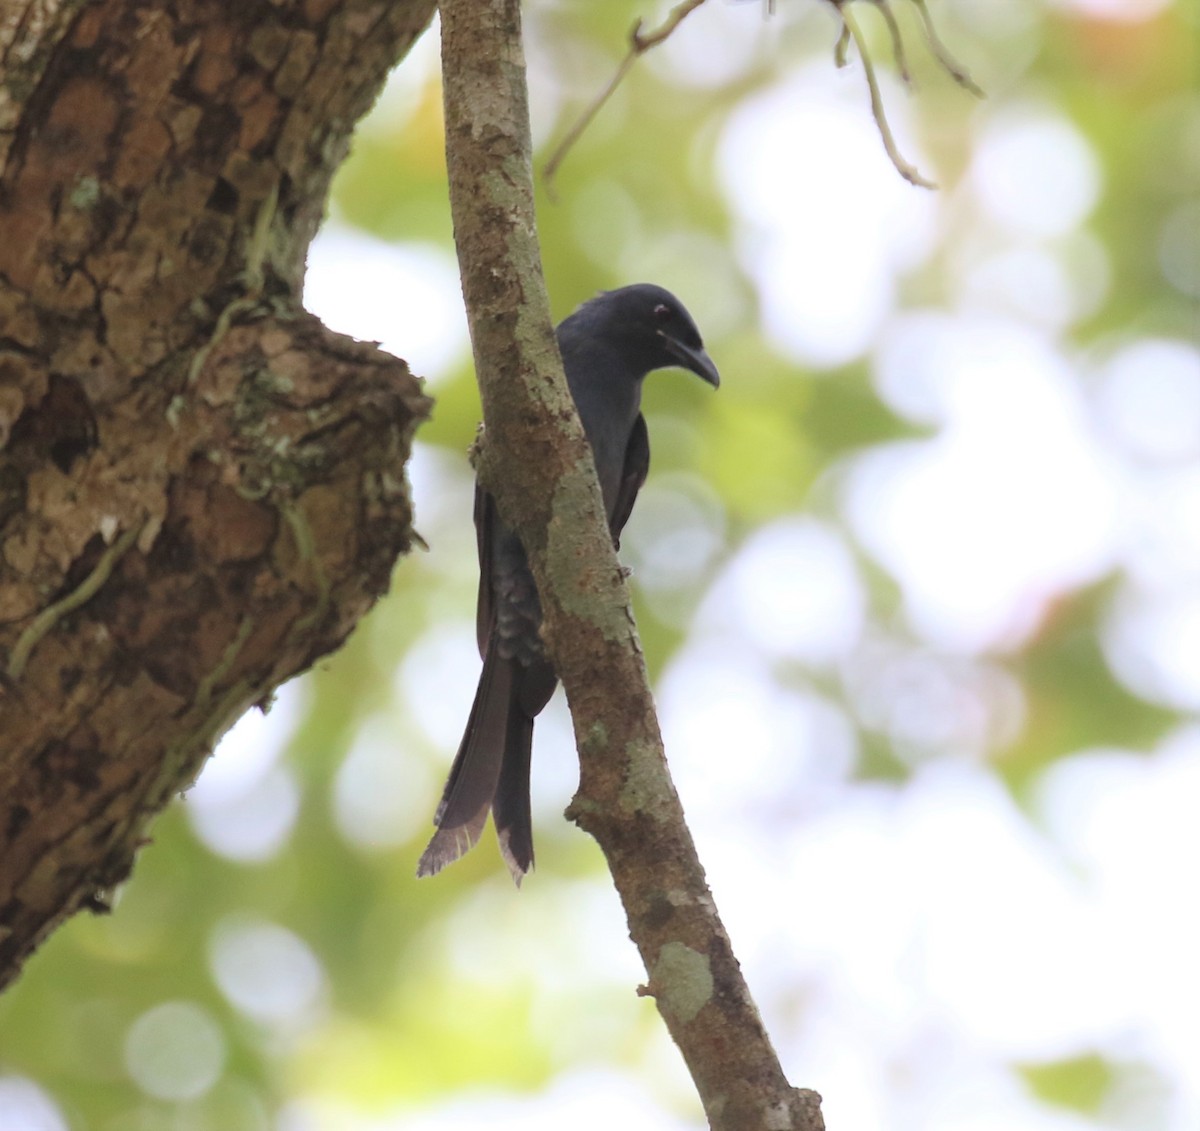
<point>682,981</point>
<point>18,818</point>
<point>779,1117</point>
<point>563,556</point>
<point>61,428</point>
<point>223,198</point>
<point>643,782</point>
<point>81,122</point>
<point>659,911</point>
<point>595,741</point>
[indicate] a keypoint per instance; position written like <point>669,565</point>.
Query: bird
<point>608,346</point>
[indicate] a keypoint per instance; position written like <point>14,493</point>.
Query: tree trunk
<point>201,488</point>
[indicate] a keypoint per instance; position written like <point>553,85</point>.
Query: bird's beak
<point>694,359</point>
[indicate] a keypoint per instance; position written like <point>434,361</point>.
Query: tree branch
<point>536,462</point>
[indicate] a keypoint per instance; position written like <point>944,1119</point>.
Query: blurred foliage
<point>1080,1083</point>
<point>410,1006</point>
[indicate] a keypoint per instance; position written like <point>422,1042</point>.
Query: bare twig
<point>851,31</point>
<point>952,67</point>
<point>841,49</point>
<point>585,119</point>
<point>889,18</point>
<point>639,44</point>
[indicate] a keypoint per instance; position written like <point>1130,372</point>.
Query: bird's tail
<point>475,773</point>
<point>510,806</point>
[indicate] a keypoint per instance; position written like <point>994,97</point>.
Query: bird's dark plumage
<point>608,346</point>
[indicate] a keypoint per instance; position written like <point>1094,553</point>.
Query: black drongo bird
<point>608,346</point>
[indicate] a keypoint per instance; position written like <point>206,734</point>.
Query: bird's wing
<point>633,475</point>
<point>485,520</point>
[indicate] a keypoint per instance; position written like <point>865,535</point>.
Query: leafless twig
<point>639,44</point>
<point>889,18</point>
<point>951,66</point>
<point>851,31</point>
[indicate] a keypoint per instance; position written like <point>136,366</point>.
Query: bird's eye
<point>662,312</point>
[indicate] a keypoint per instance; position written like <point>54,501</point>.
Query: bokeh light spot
<point>1150,397</point>
<point>175,1051</point>
<point>824,286</point>
<point>1011,503</point>
<point>382,793</point>
<point>255,824</point>
<point>794,589</point>
<point>1035,173</point>
<point>25,1107</point>
<point>266,971</point>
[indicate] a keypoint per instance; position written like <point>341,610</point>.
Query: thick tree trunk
<point>201,489</point>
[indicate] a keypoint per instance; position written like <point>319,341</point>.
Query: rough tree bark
<point>536,462</point>
<point>201,489</point>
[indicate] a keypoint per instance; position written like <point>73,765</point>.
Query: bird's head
<point>654,329</point>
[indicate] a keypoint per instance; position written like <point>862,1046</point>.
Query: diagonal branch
<point>626,799</point>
